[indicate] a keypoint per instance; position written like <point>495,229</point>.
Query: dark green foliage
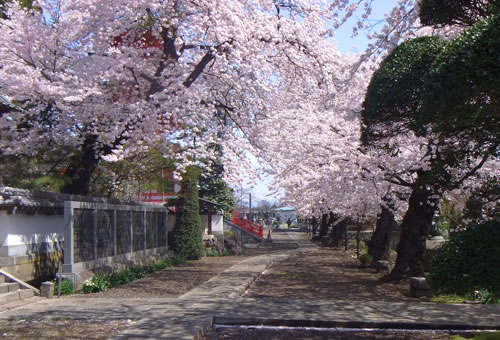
<point>469,261</point>
<point>214,188</point>
<point>35,173</point>
<point>66,287</point>
<point>5,3</point>
<point>455,12</point>
<point>366,259</point>
<point>394,97</point>
<point>188,230</point>
<point>463,89</point>
<point>98,283</point>
<point>212,253</point>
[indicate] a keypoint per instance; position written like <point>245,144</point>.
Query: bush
<point>96,284</point>
<point>366,259</point>
<point>212,253</point>
<point>470,261</point>
<point>187,230</point>
<point>177,260</point>
<point>227,252</point>
<point>66,287</point>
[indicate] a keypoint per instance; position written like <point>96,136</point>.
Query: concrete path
<point>219,299</point>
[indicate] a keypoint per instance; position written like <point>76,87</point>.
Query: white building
<point>285,213</point>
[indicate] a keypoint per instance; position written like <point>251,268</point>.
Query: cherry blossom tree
<point>321,166</point>
<point>113,77</point>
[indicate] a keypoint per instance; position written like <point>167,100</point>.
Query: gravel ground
<point>171,282</point>
<point>61,329</point>
<point>168,283</point>
<point>329,274</point>
<point>324,273</point>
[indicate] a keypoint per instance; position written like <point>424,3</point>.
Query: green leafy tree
<point>391,108</point>
<point>455,12</point>
<point>5,3</point>
<point>41,172</point>
<point>446,92</point>
<point>187,229</point>
<point>394,97</point>
<point>462,91</point>
<point>214,188</point>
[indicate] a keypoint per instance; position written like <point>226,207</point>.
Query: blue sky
<point>345,44</point>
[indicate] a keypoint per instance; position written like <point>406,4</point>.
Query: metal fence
<point>96,232</point>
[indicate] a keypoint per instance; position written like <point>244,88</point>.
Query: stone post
<point>47,290</point>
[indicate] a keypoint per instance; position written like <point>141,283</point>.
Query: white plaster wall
<point>170,223</point>
<point>217,223</point>
<point>23,234</point>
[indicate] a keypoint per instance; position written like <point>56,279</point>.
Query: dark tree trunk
<point>81,168</point>
<point>380,243</point>
<point>323,230</point>
<point>358,237</point>
<point>338,233</point>
<point>314,226</point>
<point>414,230</point>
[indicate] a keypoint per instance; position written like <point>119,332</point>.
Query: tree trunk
<point>379,245</point>
<point>414,230</point>
<point>359,225</point>
<point>338,233</point>
<point>323,230</point>
<point>81,168</point>
<point>314,226</point>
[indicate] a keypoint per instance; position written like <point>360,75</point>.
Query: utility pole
<point>250,206</point>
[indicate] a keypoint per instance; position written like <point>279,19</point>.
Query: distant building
<point>285,213</point>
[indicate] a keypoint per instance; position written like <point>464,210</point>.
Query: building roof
<point>6,105</point>
<point>285,209</point>
<point>12,199</point>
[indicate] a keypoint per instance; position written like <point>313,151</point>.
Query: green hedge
<point>469,262</point>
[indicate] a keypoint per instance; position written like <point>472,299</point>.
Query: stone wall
<point>102,234</point>
<point>33,268</point>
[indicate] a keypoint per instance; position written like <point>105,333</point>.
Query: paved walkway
<point>219,298</point>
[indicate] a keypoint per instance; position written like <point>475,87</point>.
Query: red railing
<point>248,225</point>
<point>156,197</point>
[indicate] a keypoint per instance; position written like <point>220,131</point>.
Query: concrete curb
<point>228,321</point>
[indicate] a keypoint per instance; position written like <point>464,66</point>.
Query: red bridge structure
<point>248,225</point>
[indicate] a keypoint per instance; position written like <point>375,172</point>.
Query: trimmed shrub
<point>188,240</point>
<point>470,261</point>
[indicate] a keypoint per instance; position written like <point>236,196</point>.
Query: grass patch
<point>448,299</point>
<point>288,276</point>
<point>479,336</point>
